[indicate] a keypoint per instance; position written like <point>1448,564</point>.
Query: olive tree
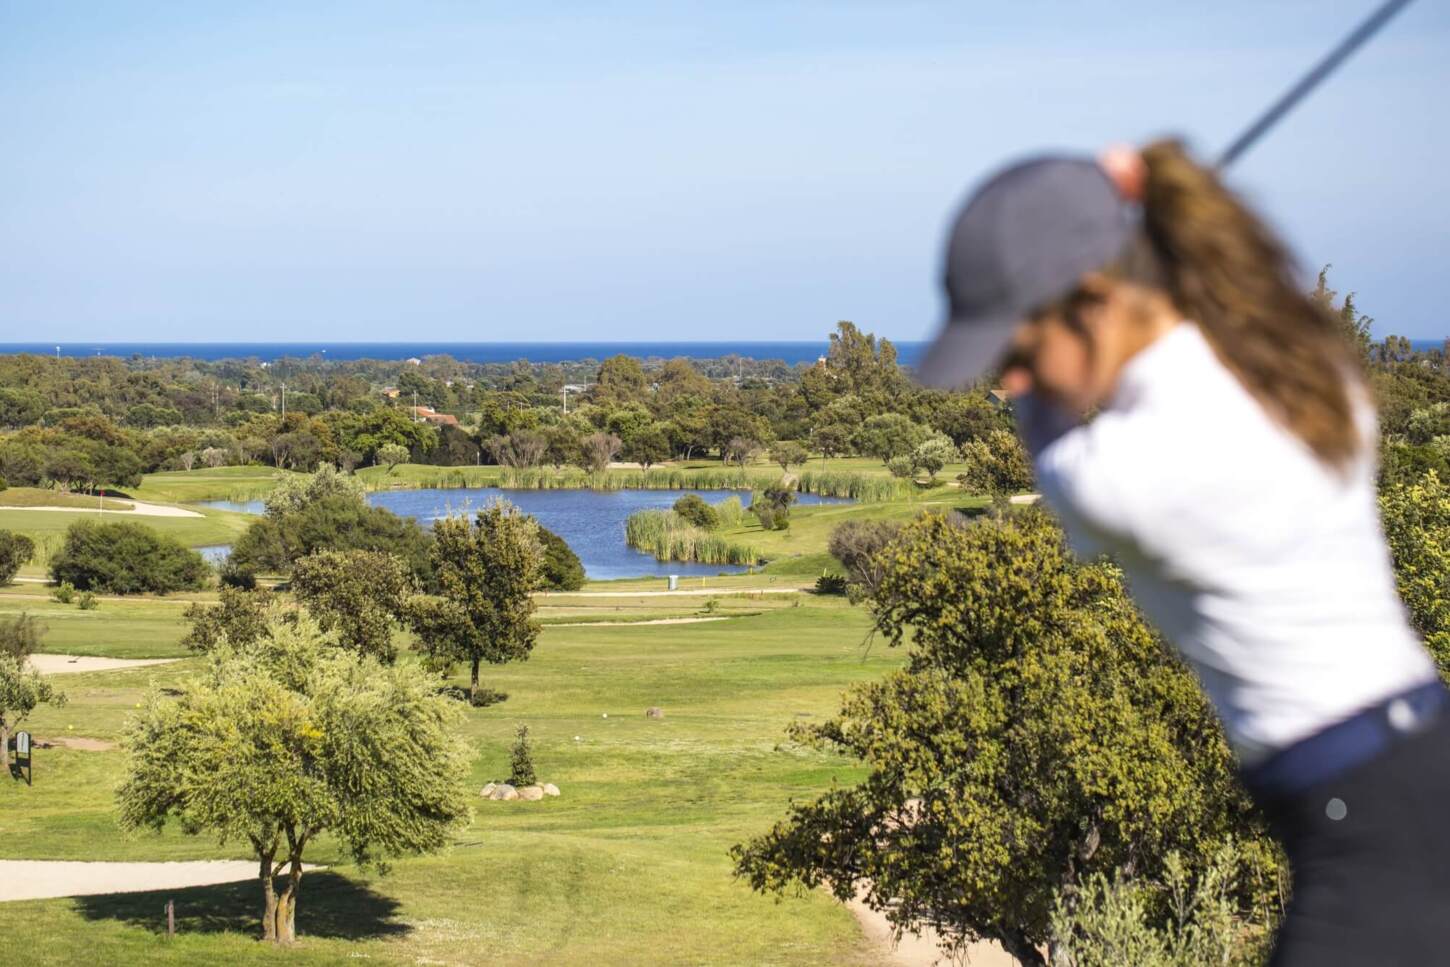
<point>486,571</point>
<point>22,689</point>
<point>392,454</point>
<point>279,741</point>
<point>1037,735</point>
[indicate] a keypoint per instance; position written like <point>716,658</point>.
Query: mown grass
<point>629,866</point>
<point>210,483</point>
<point>134,628</point>
<point>43,497</point>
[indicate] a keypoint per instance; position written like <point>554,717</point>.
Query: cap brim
<point>964,350</point>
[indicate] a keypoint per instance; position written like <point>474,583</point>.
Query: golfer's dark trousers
<point>1368,842</point>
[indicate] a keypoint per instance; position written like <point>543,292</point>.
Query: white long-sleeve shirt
<point>1267,569</point>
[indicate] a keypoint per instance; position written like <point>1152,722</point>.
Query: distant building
<point>999,398</point>
<point>414,361</point>
<point>391,392</point>
<point>429,415</point>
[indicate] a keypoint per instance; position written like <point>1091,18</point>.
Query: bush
<point>87,601</point>
<point>831,584</point>
<point>562,570</point>
<point>855,543</point>
<point>232,575</point>
<point>521,767</point>
<point>20,636</point>
<point>336,522</point>
<point>126,558</point>
<point>694,509</point>
<point>65,593</point>
<point>16,551</point>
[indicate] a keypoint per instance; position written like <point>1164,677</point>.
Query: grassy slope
<point>628,866</point>
<point>43,497</point>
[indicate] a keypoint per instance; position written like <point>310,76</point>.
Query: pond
<point>590,521</point>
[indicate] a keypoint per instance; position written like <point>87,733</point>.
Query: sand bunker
<point>134,507</point>
<point>69,664</point>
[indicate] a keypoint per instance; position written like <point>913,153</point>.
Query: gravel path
<point>44,879</point>
<point>633,624</point>
<point>69,664</point>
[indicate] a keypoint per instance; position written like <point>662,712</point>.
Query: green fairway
<point>212,483</point>
<point>628,866</point>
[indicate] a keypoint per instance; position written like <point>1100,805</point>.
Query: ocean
<point>471,352</point>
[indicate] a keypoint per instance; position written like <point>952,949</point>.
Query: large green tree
<point>486,570</point>
<point>357,595</point>
<point>1038,734</point>
<point>275,743</point>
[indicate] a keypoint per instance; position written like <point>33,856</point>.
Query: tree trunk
<point>5,745</point>
<point>284,915</point>
<point>1016,944</point>
<point>473,681</point>
<point>269,899</point>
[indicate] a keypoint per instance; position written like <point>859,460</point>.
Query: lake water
<point>590,521</point>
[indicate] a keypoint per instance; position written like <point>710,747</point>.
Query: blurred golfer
<point>1193,413</point>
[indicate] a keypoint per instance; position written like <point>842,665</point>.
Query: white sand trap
<point>45,879</point>
<point>134,507</point>
<point>67,664</point>
<point>634,624</point>
<point>691,592</point>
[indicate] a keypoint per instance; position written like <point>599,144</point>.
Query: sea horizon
<point>789,351</point>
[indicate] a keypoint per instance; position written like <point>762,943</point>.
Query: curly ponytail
<point>1227,272</point>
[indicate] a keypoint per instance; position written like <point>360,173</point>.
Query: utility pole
<point>566,400</point>
<point>284,403</point>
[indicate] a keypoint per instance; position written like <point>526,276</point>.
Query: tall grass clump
<point>862,487</point>
<point>669,537</point>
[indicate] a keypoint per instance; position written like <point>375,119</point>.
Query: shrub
<point>240,617</point>
<point>20,636</point>
<point>232,575</point>
<point>126,558</point>
<point>855,543</point>
<point>336,522</point>
<point>694,509</point>
<point>87,601</point>
<point>902,467</point>
<point>521,765</point>
<point>831,584</point>
<point>16,550</point>
<point>64,593</point>
<point>563,571</point>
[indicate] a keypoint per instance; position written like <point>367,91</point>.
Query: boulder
<point>532,793</point>
<point>487,790</point>
<point>654,712</point>
<point>504,792</point>
<point>550,789</point>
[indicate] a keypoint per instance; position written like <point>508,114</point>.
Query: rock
<point>531,793</point>
<point>487,790</point>
<point>503,792</point>
<point>550,789</point>
<point>654,712</point>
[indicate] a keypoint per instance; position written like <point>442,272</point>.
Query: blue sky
<point>556,171</point>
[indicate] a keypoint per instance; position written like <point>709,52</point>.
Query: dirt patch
<point>71,664</point>
<point>921,949</point>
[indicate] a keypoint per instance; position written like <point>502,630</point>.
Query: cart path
<point>46,879</point>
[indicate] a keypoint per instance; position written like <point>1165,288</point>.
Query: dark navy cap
<point>1022,241</point>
